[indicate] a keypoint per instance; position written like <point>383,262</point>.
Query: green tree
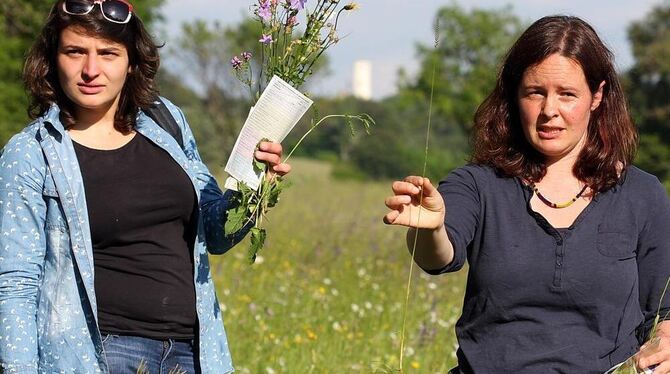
<point>20,21</point>
<point>648,87</point>
<point>466,59</point>
<point>471,45</point>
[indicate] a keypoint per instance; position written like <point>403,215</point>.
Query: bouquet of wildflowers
<point>290,55</point>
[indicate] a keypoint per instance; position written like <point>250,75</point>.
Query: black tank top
<point>143,213</point>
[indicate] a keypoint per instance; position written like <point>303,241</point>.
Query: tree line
<point>466,59</point>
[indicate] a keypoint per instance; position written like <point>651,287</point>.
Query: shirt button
<point>559,263</point>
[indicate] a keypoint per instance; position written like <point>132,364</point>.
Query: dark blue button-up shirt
<point>542,300</point>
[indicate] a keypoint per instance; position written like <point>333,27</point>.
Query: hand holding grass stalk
<point>635,364</point>
<point>291,57</point>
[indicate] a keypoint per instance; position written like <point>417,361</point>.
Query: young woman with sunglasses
<point>106,222</point>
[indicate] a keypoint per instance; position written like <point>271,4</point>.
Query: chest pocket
<point>55,219</point>
<point>616,242</point>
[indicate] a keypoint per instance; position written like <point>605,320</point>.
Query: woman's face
<point>555,105</point>
<point>91,71</point>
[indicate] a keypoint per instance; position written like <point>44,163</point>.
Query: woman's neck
<point>94,128</point>
<point>561,168</point>
<point>98,119</point>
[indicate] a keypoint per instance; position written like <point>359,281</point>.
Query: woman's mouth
<point>90,89</point>
<point>548,132</point>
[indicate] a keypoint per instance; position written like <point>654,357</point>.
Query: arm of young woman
<point>214,203</point>
<point>22,251</point>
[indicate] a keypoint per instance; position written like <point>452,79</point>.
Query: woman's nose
<point>91,68</point>
<point>550,106</point>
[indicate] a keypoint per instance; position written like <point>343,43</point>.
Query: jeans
<point>136,355</point>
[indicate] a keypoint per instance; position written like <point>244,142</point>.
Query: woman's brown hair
<point>498,139</point>
<point>40,74</point>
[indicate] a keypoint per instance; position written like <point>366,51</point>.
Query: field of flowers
<point>327,293</point>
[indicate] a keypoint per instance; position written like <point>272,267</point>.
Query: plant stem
<point>418,218</point>
<point>309,131</point>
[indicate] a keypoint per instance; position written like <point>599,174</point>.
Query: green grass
<point>326,296</point>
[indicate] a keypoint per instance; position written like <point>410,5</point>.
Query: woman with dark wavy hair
<point>107,221</point>
<point>568,243</point>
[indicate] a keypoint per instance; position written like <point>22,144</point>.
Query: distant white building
<point>362,80</point>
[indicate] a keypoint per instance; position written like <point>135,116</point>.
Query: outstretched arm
<point>417,204</point>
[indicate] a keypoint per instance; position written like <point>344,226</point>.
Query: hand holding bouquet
<point>290,56</point>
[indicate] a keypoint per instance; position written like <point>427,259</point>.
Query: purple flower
<point>246,56</point>
<point>265,39</point>
<point>264,10</point>
<point>236,62</point>
<point>298,4</point>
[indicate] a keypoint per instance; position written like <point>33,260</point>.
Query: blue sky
<point>387,31</point>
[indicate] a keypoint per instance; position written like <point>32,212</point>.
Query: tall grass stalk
<point>418,218</point>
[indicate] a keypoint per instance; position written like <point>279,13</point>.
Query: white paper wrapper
<point>275,114</point>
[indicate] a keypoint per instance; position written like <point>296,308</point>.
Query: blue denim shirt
<point>48,313</point>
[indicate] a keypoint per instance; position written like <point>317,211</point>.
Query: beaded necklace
<point>554,205</point>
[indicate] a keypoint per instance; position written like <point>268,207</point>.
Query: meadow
<point>327,293</point>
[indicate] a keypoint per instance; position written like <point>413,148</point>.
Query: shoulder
<point>25,142</point>
<point>480,175</point>
<point>642,195</point>
<point>22,159</point>
<point>176,111</point>
<point>638,180</point>
<point>179,116</point>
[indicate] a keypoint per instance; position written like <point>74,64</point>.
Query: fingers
<point>428,188</point>
<point>411,196</point>
<point>270,147</point>
<point>412,185</point>
<point>396,201</point>
<point>405,188</point>
<point>391,217</point>
<point>282,169</point>
<point>270,153</point>
<point>270,158</point>
<point>655,353</point>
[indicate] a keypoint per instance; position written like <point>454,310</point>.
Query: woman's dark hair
<point>40,74</point>
<point>498,138</point>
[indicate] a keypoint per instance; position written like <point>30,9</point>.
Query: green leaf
<point>259,165</point>
<point>275,189</point>
<point>235,220</point>
<point>257,242</point>
<point>350,124</point>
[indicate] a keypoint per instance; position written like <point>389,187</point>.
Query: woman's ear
<point>598,96</point>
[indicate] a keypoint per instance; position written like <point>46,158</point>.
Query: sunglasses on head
<point>117,11</point>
